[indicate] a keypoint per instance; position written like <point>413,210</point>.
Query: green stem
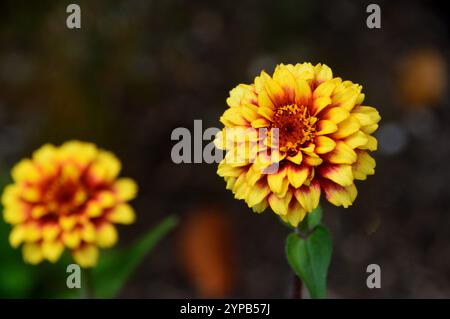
<point>86,285</point>
<point>297,287</point>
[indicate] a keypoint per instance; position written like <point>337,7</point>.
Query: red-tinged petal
<point>296,159</point>
<point>334,114</point>
<point>280,204</point>
<point>322,73</point>
<point>275,92</point>
<point>241,94</point>
<point>257,194</point>
<point>250,112</point>
<point>312,160</point>
<point>286,80</point>
<point>260,122</point>
<point>266,112</point>
<point>338,173</point>
<point>319,104</point>
<point>296,213</point>
<point>278,182</point>
<point>324,144</point>
<point>324,89</point>
<point>303,92</point>
<point>346,128</point>
<point>338,195</point>
<point>347,97</point>
<point>264,100</point>
<point>297,175</point>
<point>234,116</point>
<point>325,127</point>
<point>309,196</point>
<point>342,154</point>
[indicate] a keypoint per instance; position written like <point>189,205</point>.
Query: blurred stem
<point>297,284</point>
<point>86,282</point>
<point>297,287</point>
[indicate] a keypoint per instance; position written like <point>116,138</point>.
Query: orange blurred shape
<point>205,247</point>
<point>422,78</point>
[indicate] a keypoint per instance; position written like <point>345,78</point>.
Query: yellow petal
<point>17,236</point>
<point>71,239</point>
<point>259,208</point>
<point>319,104</point>
<point>286,80</point>
<point>296,159</point>
<point>266,112</point>
<point>86,256</point>
<point>322,73</point>
<point>335,114</point>
<point>25,170</point>
<point>106,235</point>
<point>347,97</point>
<point>340,174</point>
<point>257,194</point>
<point>338,195</point>
<point>366,115</point>
<point>312,160</point>
<point>240,95</point>
<point>32,232</point>
<point>264,101</point>
<point>250,112</point>
<point>324,144</point>
<point>295,214</point>
<point>308,196</point>
<point>369,129</point>
<point>276,180</point>
<point>347,127</point>
<point>356,140</point>
<point>88,232</point>
<point>325,127</point>
<point>342,154</point>
<point>14,214</point>
<point>52,250</point>
<point>260,122</point>
<point>365,165</point>
<point>126,188</point>
<point>233,116</point>
<point>275,91</point>
<point>50,231</point>
<point>32,253</point>
<point>280,204</point>
<point>297,175</point>
<point>106,166</point>
<point>68,222</point>
<point>324,89</point>
<point>303,92</point>
<point>371,144</point>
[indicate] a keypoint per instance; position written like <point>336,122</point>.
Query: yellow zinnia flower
<point>67,196</point>
<point>324,138</point>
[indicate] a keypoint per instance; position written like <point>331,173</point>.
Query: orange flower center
<point>295,125</point>
<point>64,196</point>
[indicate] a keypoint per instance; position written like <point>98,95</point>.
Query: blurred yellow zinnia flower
<point>67,196</point>
<point>324,139</point>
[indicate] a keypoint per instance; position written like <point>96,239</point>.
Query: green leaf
<point>311,220</point>
<point>115,266</point>
<point>314,218</point>
<point>309,258</point>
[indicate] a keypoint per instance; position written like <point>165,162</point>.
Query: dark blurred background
<point>138,69</point>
